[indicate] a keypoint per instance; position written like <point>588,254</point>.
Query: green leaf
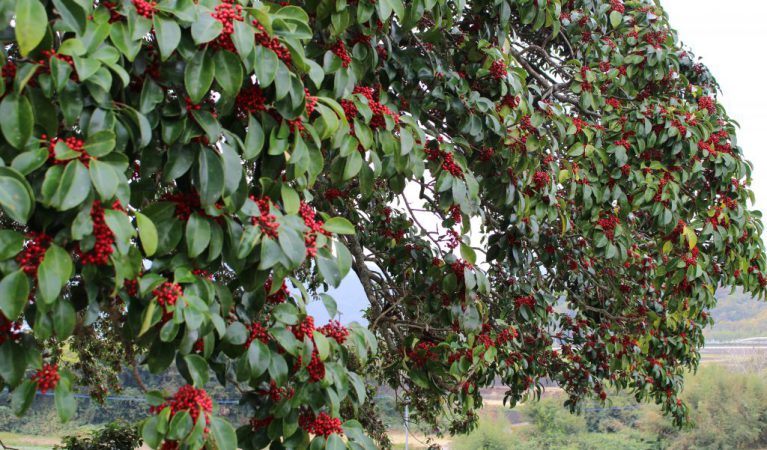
<point>180,425</point>
<point>285,313</point>
<point>100,143</point>
<point>11,243</point>
<point>292,244</point>
<point>54,273</point>
<point>616,19</point>
<point>229,71</point>
<point>322,345</point>
<point>353,165</point>
<point>31,24</point>
<point>121,38</point>
<point>206,28</point>
<point>210,176</point>
<point>147,232</point>
<point>468,253</point>
<point>258,358</point>
<point>243,38</point>
<point>15,199</point>
<point>73,188</point>
<point>330,305</point>
<point>104,178</point>
<point>290,199</point>
<point>197,235</point>
<point>198,76</point>
<point>334,440</point>
<point>23,396</point>
<point>266,65</point>
<point>198,369</point>
<point>223,434</point>
<point>72,14</point>
<point>17,119</point>
<point>339,225</point>
<point>14,294</point>
<point>254,140</point>
<point>232,168</point>
<point>168,35</point>
<point>64,316</point>
<point>65,400</point>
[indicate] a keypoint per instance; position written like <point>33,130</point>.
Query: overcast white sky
<point>731,37</point>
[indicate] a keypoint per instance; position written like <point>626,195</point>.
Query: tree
<point>181,178</point>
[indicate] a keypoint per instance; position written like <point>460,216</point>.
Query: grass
<point>26,442</point>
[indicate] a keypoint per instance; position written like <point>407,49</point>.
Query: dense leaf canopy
<point>526,190</point>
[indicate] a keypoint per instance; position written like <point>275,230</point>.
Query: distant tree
<point>180,178</point>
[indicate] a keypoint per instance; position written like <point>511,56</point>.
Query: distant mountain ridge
<point>737,316</point>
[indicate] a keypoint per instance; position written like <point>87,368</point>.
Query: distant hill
<point>737,316</point>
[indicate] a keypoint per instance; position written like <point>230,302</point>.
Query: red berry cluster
<point>273,44</point>
<point>114,15</point>
<point>186,204</point>
<point>311,102</point>
<point>305,328</point>
<point>323,425</point>
<point>9,331</point>
<point>188,398</point>
<point>277,394</point>
<point>449,165</point>
<point>314,225</point>
<point>339,49</point>
<point>526,300</point>
<point>512,101</point>
<point>378,121</point>
<point>9,70</point>
<point>167,295</point>
<point>73,143</point>
<point>316,368</point>
<point>257,424</point>
<point>333,193</point>
<point>279,296</point>
<point>266,221</point>
<point>102,249</point>
<point>692,259</point>
<point>47,378</point>
<point>30,258</point>
<point>48,54</point>
<point>226,13</point>
<point>541,179</point>
<point>335,330</point>
<point>459,266</point>
<point>249,100</point>
<point>144,8</point>
<point>486,154</point>
<point>422,353</point>
<point>708,104</point>
<point>498,69</point>
<point>257,331</point>
<point>617,5</point>
<point>170,445</point>
<point>506,335</point>
<point>131,287</point>
<point>608,224</point>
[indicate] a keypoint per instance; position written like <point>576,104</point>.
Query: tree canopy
<point>527,190</point>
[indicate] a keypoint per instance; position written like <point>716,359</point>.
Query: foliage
<point>492,433</point>
<point>728,410</point>
<point>115,435</point>
<point>179,179</point>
